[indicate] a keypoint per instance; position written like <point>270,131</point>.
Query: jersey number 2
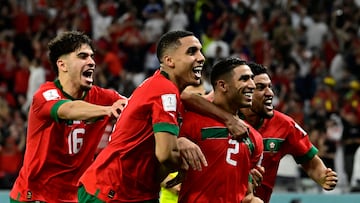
<point>231,151</point>
<point>75,141</point>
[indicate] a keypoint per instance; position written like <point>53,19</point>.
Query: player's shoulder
<point>159,82</point>
<point>46,86</point>
<point>197,119</point>
<point>288,122</point>
<point>281,117</point>
<point>102,91</point>
<point>193,115</point>
<point>253,132</point>
<point>105,96</point>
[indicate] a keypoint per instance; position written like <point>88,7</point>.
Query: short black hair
<point>65,43</point>
<point>223,67</point>
<point>169,40</point>
<point>256,68</point>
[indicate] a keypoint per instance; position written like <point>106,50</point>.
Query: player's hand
<point>118,106</point>
<point>191,154</point>
<point>175,189</point>
<point>237,127</point>
<point>257,175</point>
<point>329,181</point>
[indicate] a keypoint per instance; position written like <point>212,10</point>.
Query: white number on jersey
<point>75,142</point>
<point>231,151</point>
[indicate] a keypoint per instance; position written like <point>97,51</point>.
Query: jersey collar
<point>165,74</point>
<point>257,127</point>
<point>58,85</point>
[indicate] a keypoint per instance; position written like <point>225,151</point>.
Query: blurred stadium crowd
<point>312,49</point>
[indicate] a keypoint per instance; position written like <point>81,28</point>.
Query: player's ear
<point>168,61</point>
<point>61,65</point>
<point>221,85</point>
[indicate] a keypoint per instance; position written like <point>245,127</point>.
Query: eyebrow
<point>84,54</point>
<point>246,77</point>
<point>262,85</point>
<point>192,49</point>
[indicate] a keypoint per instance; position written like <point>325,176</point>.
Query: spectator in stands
<point>175,17</point>
<point>36,78</point>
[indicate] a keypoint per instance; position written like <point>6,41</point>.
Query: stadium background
<point>312,49</point>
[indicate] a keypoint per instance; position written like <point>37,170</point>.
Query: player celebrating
<point>65,124</point>
<point>229,161</point>
<point>143,147</point>
<point>281,136</point>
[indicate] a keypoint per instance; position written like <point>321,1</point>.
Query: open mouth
<point>268,104</point>
<point>88,74</point>
<point>248,94</point>
<point>197,70</point>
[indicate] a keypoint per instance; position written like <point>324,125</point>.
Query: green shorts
<point>85,197</point>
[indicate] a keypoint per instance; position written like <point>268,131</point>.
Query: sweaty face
<point>81,67</point>
<point>242,86</point>
<point>188,62</point>
<point>263,96</point>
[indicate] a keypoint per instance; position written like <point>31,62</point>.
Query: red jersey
<point>225,179</point>
<point>126,169</point>
<point>281,136</point>
<point>58,151</point>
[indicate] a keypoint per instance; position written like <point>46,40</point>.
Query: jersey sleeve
<point>46,103</point>
<point>301,147</point>
<point>165,112</point>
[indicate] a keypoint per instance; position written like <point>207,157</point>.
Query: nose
<point>269,92</point>
<point>251,84</point>
<point>201,58</point>
<point>91,62</point>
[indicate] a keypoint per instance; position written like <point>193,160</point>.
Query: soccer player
<point>281,136</point>
<point>170,195</point>
<point>66,121</point>
<point>226,178</point>
<point>143,147</point>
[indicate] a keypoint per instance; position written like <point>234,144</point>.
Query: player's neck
<point>250,116</point>
<point>69,91</point>
<point>218,101</point>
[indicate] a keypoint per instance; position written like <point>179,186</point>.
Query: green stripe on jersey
<point>308,156</point>
<point>55,108</point>
<point>218,132</point>
<point>207,133</point>
<point>249,143</point>
<point>272,145</point>
<point>166,127</point>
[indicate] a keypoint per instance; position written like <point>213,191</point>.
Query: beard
<point>85,87</point>
<point>267,114</point>
<point>263,113</point>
